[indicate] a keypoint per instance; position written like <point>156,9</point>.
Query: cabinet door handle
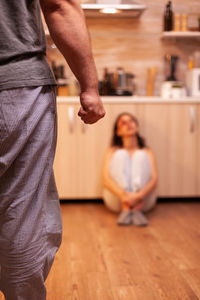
<point>192,118</point>
<point>71,119</point>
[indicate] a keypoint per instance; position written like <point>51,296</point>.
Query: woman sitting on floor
<point>129,173</point>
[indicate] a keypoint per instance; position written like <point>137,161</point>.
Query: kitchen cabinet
<point>183,180</point>
<point>171,130</point>
<point>79,154</point>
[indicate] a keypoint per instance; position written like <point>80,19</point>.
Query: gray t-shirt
<point>22,45</point>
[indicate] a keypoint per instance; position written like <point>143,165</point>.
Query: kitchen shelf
<point>180,34</point>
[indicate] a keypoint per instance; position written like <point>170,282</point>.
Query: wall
<point>136,45</point>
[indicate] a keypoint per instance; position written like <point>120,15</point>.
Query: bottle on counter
<point>151,74</point>
<point>190,63</point>
<point>168,17</point>
<point>106,83</point>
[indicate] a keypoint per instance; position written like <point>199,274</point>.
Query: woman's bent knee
<point>111,201</point>
<point>149,202</point>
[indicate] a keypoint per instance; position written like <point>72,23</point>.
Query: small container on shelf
<point>193,23</point>
<point>184,26</point>
<point>177,22</point>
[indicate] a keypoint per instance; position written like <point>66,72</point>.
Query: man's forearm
<point>66,23</point>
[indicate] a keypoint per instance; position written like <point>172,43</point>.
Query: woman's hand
<point>131,198</point>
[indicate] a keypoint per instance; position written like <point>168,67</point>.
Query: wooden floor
<point>99,260</point>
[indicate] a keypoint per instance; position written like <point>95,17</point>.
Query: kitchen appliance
<point>118,83</point>
<point>170,67</point>
<point>122,83</point>
<point>173,90</point>
<point>171,87</point>
<point>193,82</point>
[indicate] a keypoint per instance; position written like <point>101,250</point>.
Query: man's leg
<point>30,219</point>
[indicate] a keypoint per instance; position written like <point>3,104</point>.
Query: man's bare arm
<point>66,22</point>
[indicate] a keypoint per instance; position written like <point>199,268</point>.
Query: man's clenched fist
<point>91,109</point>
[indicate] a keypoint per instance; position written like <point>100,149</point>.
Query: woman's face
<point>126,126</point>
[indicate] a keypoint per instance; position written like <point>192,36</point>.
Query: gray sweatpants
<point>30,218</point>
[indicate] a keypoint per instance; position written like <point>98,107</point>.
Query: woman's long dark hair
<point>117,140</point>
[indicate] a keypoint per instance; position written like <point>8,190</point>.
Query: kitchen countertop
<point>132,99</point>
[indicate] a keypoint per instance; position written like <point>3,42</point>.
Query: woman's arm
<point>108,182</point>
<point>151,185</point>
